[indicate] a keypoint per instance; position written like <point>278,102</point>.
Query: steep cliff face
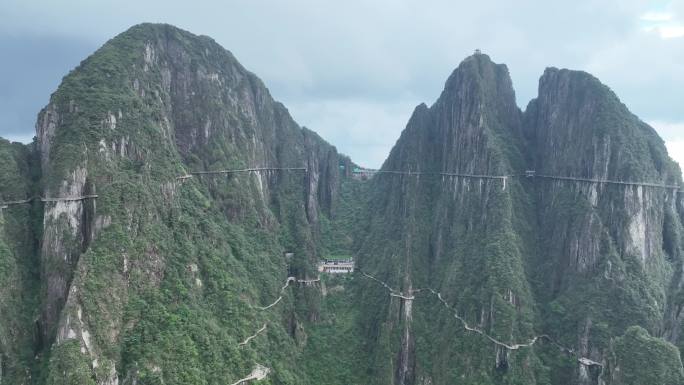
<point>517,267</point>
<point>138,257</point>
<point>603,258</point>
<point>142,264</point>
<point>460,236</point>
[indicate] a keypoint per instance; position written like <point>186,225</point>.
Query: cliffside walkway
<point>240,170</point>
<point>528,174</point>
<point>503,178</point>
<point>4,205</point>
<point>397,293</point>
<point>455,174</point>
<point>677,188</point>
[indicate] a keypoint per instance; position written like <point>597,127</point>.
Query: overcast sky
<point>353,70</point>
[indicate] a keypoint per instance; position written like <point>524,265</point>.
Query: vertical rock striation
<point>471,273</point>
<point>578,261</point>
<point>151,105</point>
<point>456,235</point>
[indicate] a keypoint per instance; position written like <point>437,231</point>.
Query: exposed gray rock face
<point>48,119</point>
<point>610,235</point>
<point>65,229</point>
<point>207,97</point>
<point>594,248</point>
<point>580,129</point>
<point>178,103</point>
<point>487,277</point>
<point>440,231</point>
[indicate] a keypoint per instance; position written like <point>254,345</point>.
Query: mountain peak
<point>146,29</point>
<point>172,196</point>
<point>478,65</point>
<point>572,82</point>
<point>479,78</point>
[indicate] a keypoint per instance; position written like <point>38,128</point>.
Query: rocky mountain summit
<point>165,226</point>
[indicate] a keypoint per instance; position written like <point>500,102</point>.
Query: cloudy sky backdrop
<point>354,70</point>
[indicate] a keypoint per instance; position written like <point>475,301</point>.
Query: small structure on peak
<point>478,52</point>
<point>336,266</point>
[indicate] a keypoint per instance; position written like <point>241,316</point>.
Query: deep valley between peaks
<point>171,223</point>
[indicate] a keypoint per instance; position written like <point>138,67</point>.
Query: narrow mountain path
<point>396,293</point>
<point>280,297</point>
<point>255,335</point>
<point>259,373</point>
<point>393,293</point>
<point>4,205</point>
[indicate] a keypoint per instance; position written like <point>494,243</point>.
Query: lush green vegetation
<point>335,351</point>
<point>170,286</point>
<point>19,274</point>
<point>169,276</point>
<point>642,359</point>
<point>69,366</point>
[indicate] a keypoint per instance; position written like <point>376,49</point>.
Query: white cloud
<point>667,24</point>
<point>673,134</point>
<point>364,129</point>
<point>676,150</point>
<point>21,138</point>
<point>669,131</point>
<point>354,70</point>
<point>671,31</point>
<point>656,16</point>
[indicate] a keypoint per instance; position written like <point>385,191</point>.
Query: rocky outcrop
<point>475,274</point>
<point>150,106</point>
<point>611,235</point>
<point>561,257</point>
<point>66,232</point>
<point>444,231</point>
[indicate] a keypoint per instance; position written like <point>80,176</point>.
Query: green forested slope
<point>19,275</point>
<point>168,280</point>
<point>159,279</point>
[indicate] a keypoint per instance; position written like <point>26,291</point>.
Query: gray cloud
<point>353,70</point>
